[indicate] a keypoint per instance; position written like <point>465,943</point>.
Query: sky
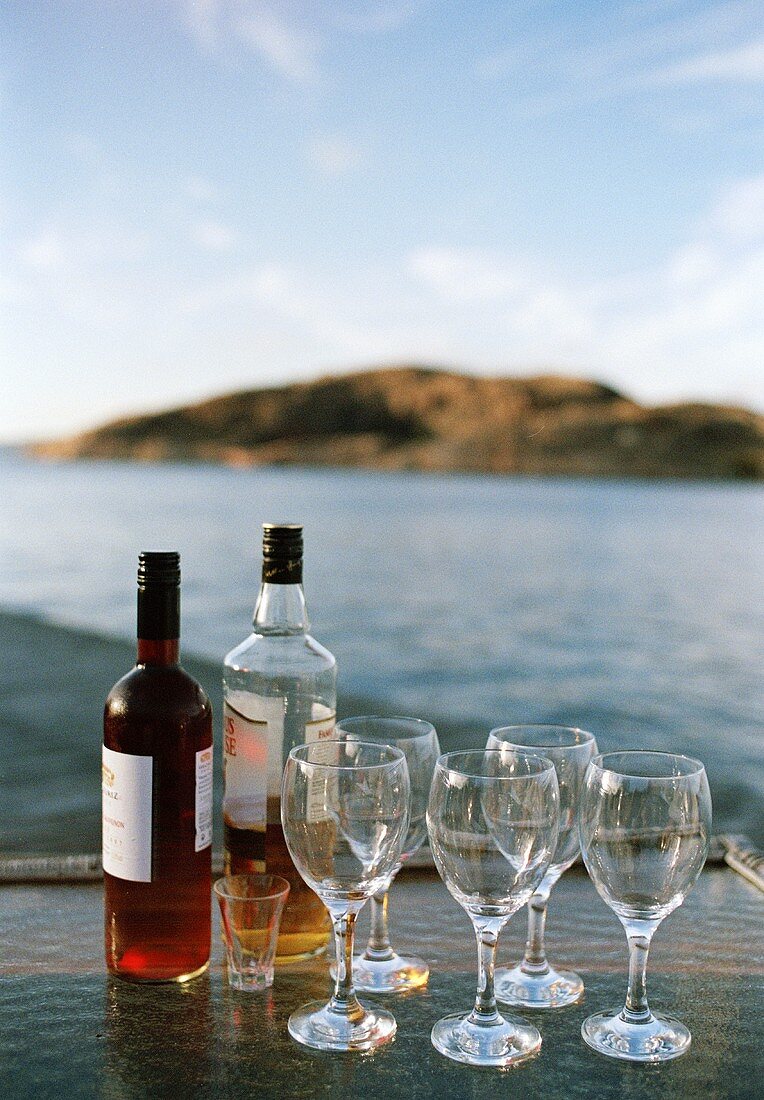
<point>203,195</point>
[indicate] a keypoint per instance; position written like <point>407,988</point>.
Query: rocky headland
<point>421,418</point>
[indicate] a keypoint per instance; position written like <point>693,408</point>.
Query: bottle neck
<point>162,651</point>
<point>158,624</point>
<point>280,609</point>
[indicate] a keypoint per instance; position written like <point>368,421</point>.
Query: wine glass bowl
<point>380,969</point>
<point>492,819</point>
<point>533,983</point>
<point>645,825</point>
<point>345,812</point>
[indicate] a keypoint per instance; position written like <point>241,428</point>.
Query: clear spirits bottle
<point>279,690</point>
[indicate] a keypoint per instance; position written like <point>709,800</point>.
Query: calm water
<point>631,609</point>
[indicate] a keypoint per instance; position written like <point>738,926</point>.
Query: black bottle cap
<point>158,567</point>
<point>282,553</point>
<point>159,595</point>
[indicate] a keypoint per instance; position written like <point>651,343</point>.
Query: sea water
<point>632,609</point>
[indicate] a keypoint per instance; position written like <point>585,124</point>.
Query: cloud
<point>200,189</point>
<point>376,16</point>
<point>495,66</point>
<point>692,264</point>
<point>331,155</point>
<point>202,19</point>
<point>285,44</point>
<point>44,251</point>
<point>464,275</point>
<point>693,321</point>
<point>690,323</point>
<point>61,247</point>
<point>291,50</point>
<point>623,50</point>
<point>291,37</point>
<point>740,211</point>
<point>214,236</point>
<point>743,63</point>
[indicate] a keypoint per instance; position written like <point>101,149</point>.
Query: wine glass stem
<point>485,1011</point>
<point>534,960</point>
<point>639,934</point>
<point>344,1001</point>
<point>379,949</point>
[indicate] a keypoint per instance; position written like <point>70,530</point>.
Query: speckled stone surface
<point>67,1030</point>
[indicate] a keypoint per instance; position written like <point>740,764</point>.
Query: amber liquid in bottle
<point>159,930</point>
<point>304,930</point>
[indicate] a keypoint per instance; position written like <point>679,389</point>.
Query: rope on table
<point>734,850</point>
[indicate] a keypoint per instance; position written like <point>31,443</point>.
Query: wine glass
<point>533,983</point>
<point>345,813</point>
<point>380,969</point>
<point>645,822</point>
<point>492,819</point>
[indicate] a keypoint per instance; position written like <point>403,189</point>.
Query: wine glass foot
<point>317,1025</point>
<point>398,974</point>
<point>553,989</point>
<point>658,1039</point>
<point>504,1043</point>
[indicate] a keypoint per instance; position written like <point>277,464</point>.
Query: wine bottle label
<point>203,799</point>
<point>126,789</point>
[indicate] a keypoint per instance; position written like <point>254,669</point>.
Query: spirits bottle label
<point>320,729</point>
<point>126,788</point>
<point>245,765</point>
<point>254,752</point>
<point>203,799</point>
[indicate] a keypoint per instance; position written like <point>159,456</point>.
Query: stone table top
<point>67,1030</point>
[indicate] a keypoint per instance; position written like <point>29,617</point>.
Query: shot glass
<point>250,909</point>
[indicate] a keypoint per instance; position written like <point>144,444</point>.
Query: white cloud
<point>202,18</point>
<point>691,323</point>
<point>376,16</point>
<point>291,50</point>
<point>331,155</point>
<point>214,236</point>
<point>615,51</point>
<point>501,63</point>
<point>291,36</point>
<point>743,63</point>
<point>67,247</point>
<point>44,250</point>
<point>465,275</point>
<point>692,264</point>
<point>200,189</point>
<point>740,211</point>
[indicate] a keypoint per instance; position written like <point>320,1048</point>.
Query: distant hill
<point>418,418</point>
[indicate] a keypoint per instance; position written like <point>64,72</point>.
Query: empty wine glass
<point>345,812</point>
<point>380,969</point>
<point>492,819</point>
<point>533,983</point>
<point>645,822</point>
